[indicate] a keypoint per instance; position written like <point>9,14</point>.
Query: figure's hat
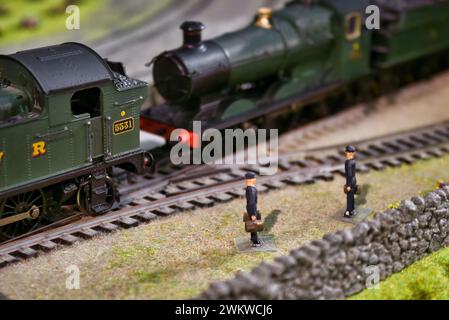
<point>250,175</point>
<point>350,148</point>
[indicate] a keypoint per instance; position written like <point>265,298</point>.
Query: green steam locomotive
<point>66,118</point>
<point>313,56</point>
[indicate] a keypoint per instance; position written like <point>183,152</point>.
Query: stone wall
<point>344,263</point>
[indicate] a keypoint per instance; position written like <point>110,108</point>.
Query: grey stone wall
<point>345,262</point>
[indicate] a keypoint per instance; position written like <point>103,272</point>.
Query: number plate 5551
<point>124,125</point>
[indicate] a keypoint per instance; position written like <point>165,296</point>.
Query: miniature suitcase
<point>253,226</point>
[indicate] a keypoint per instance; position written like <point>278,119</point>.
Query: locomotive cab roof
<point>65,66</point>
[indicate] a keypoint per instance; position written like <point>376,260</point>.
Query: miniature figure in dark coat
<point>351,182</point>
<point>251,204</point>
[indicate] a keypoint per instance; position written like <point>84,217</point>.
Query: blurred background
<point>132,31</point>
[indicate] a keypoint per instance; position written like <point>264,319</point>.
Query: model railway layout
<point>206,186</point>
<point>75,116</point>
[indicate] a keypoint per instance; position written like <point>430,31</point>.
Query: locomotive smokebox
<point>192,33</point>
<point>197,67</point>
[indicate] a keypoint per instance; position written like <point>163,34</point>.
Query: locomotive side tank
<point>65,119</point>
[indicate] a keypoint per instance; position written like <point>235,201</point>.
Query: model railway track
<point>290,141</point>
<point>293,140</point>
<point>206,186</point>
<point>296,139</point>
<point>130,187</point>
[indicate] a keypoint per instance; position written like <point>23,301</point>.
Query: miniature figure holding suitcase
<point>252,217</point>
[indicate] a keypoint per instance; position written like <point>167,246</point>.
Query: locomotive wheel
<point>83,197</point>
<point>18,205</point>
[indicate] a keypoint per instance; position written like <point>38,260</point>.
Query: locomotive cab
<point>66,118</point>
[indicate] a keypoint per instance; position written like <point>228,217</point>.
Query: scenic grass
<point>178,257</point>
<point>425,279</point>
<point>98,19</point>
<point>49,14</point>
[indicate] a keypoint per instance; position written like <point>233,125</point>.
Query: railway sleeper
<point>237,173</point>
<point>66,239</point>
<point>171,190</point>
<point>261,189</point>
<point>237,192</point>
<point>107,227</point>
<point>392,162</point>
<point>436,153</point>
<point>164,211</point>
<point>87,233</point>
<point>184,205</point>
<point>138,202</point>
<point>362,168</point>
<point>187,185</point>
<point>25,253</point>
<point>433,136</point>
<point>206,181</point>
<point>276,184</point>
<point>145,216</point>
<point>46,246</point>
<point>222,197</point>
<point>326,176</point>
<point>376,165</point>
<point>300,179</point>
<point>223,177</point>
<point>422,155</point>
<point>6,259</point>
<point>393,147</point>
<point>202,202</point>
<point>444,133</point>
<point>127,222</point>
<point>155,196</point>
<point>284,165</point>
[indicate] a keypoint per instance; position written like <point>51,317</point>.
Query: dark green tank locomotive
<point>295,57</point>
<point>66,118</point>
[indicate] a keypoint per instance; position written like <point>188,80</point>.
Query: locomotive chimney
<point>192,33</point>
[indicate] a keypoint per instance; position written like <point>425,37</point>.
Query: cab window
<point>86,101</point>
<point>15,105</point>
<point>353,25</point>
